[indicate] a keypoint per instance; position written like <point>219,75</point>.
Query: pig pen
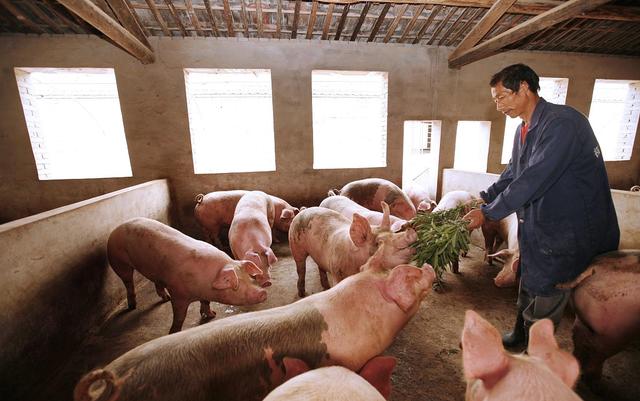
<point>427,349</point>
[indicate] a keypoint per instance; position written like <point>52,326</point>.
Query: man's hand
<point>475,217</point>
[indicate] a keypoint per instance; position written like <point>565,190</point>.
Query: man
<point>557,184</point>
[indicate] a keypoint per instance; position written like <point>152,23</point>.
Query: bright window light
<point>231,120</point>
<point>74,122</point>
<point>615,107</point>
<point>349,119</point>
<point>472,146</point>
<point>553,90</point>
<point>421,155</point>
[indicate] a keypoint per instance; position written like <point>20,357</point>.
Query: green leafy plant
<point>442,236</point>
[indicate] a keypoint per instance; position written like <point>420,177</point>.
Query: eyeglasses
<point>503,96</point>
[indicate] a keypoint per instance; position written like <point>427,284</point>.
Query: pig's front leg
<point>205,311</point>
<point>324,281</point>
<point>179,307</point>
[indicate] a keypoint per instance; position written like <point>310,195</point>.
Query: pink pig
<point>244,357</point>
<point>347,208</point>
<point>546,374</point>
<point>189,269</point>
<point>215,211</point>
<point>420,198</point>
<point>250,232</point>
<point>606,299</point>
<point>369,192</point>
<point>335,383</point>
<point>495,232</point>
<point>340,245</point>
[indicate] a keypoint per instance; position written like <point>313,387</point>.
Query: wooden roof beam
<point>22,17</point>
<point>343,19</point>
<point>191,13</point>
<point>176,17</point>
<point>483,26</point>
<point>327,21</point>
<point>212,21</point>
<point>402,8</point>
<point>363,15</point>
<point>565,11</point>
<point>33,6</point>
<point>411,23</point>
<point>112,29</point>
<point>296,15</point>
<point>128,20</point>
<point>228,17</point>
<point>379,22</point>
<point>434,11</point>
<point>312,20</point>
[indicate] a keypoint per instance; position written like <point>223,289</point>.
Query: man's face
<point>509,102</point>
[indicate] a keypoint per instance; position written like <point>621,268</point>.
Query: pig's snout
<point>266,284</point>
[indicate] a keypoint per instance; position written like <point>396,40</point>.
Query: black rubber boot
<point>518,337</point>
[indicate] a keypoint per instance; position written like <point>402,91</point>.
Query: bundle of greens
<point>442,236</point>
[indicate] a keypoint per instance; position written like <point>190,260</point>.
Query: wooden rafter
<point>411,23</point>
<point>33,6</point>
<point>312,20</point>
<point>296,15</point>
<point>363,15</point>
<point>379,22</point>
<point>394,24</point>
<point>60,15</point>
<point>228,18</point>
<point>145,31</point>
<point>492,46</point>
<point>343,20</point>
<point>483,26</point>
<point>245,23</point>
<point>22,17</point>
<point>111,28</point>
<point>434,11</point>
<point>447,34</point>
<point>259,16</point>
<point>212,21</point>
<point>441,25</point>
<point>158,17</point>
<point>464,27</point>
<point>327,21</point>
<point>176,17</point>
<point>128,21</point>
<point>279,18</point>
<point>104,6</point>
<point>608,12</point>
<point>193,17</point>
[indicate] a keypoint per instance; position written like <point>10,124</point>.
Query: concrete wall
<point>56,283</point>
<point>627,203</point>
<point>153,103</point>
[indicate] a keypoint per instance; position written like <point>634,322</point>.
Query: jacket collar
<point>537,112</point>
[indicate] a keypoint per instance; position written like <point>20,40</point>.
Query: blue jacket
<point>557,184</point>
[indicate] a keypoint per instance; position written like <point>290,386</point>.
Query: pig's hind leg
<point>125,272</point>
<point>299,255</point>
<point>324,281</point>
<point>161,290</point>
<point>179,307</point>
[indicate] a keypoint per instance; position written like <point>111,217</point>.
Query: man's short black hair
<point>512,75</point>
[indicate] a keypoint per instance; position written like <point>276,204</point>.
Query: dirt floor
<point>429,359</point>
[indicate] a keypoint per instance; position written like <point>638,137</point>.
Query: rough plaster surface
<point>153,103</point>
<point>56,283</point>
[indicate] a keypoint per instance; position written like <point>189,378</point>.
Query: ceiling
<point>476,28</point>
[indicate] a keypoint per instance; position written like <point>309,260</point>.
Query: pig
<point>495,232</point>
<point>340,245</point>
<point>606,301</point>
<point>335,383</point>
<point>347,208</point>
<point>250,232</point>
<point>214,211</point>
<point>369,192</point>
<point>189,269</point>
<point>420,198</point>
<point>492,374</point>
<point>244,357</point>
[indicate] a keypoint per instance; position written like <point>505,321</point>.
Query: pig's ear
<point>375,261</point>
<point>293,367</point>
<point>271,257</point>
<point>250,268</point>
<point>386,221</point>
<point>399,286</point>
<point>286,214</point>
<point>483,355</point>
<point>377,371</point>
<point>515,265</point>
<point>543,345</point>
<point>360,230</point>
<point>226,278</point>
<point>253,257</point>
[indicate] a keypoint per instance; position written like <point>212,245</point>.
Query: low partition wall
<point>627,203</point>
<point>56,284</point>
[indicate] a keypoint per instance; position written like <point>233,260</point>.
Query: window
<point>553,90</point>
<point>472,146</point>
<point>74,122</point>
<point>421,155</point>
<point>614,111</point>
<point>349,119</point>
<point>231,120</point>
